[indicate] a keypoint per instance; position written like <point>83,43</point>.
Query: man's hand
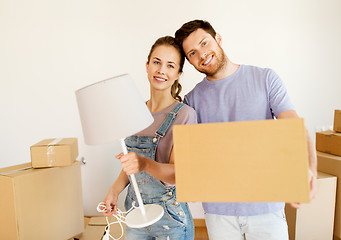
<point>313,188</point>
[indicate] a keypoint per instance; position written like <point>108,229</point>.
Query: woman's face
<point>163,67</point>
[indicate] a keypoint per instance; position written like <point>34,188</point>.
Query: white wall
<point>48,49</point>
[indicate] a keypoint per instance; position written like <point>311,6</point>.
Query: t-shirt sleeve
<point>186,100</point>
<point>186,115</point>
<point>278,96</point>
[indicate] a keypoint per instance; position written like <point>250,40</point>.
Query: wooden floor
<point>201,233</point>
<point>95,231</point>
<point>200,229</point>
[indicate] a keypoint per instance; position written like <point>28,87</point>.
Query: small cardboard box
<point>252,161</point>
<point>331,164</point>
<point>96,229</point>
<point>328,142</point>
<point>55,152</point>
<point>41,203</point>
<point>337,121</point>
<point>316,219</point>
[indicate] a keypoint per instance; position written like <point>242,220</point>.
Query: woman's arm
<point>132,163</point>
<point>111,199</point>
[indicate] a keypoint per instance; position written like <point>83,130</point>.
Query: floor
<point>200,229</point>
<point>94,231</point>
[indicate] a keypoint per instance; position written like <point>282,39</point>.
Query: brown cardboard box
<point>242,161</point>
<point>96,229</point>
<point>41,203</point>
<point>328,142</point>
<point>316,219</point>
<point>337,121</point>
<point>331,164</point>
<point>86,222</point>
<point>55,152</point>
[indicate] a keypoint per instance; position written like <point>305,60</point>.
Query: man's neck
<point>227,70</point>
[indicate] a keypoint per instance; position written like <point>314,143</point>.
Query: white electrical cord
<point>120,219</point>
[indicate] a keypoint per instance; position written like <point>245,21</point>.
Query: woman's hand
<point>110,202</point>
<point>132,163</point>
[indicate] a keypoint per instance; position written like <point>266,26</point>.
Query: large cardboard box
<point>316,219</point>
<point>96,229</point>
<point>337,121</point>
<point>40,204</point>
<point>55,152</point>
<point>331,164</point>
<point>251,161</point>
<point>328,142</point>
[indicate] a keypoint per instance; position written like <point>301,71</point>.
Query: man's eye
<point>170,66</point>
<point>156,62</point>
<point>204,43</point>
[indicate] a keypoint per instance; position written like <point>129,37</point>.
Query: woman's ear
<point>147,64</point>
<point>219,39</point>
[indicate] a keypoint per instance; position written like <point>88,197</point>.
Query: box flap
<point>329,133</point>
<point>328,156</point>
<point>55,142</point>
<point>7,170</point>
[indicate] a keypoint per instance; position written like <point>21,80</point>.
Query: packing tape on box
<point>51,156</point>
<point>13,171</point>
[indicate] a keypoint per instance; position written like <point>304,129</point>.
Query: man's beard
<point>220,62</point>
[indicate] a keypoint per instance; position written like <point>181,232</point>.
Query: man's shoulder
<point>198,87</point>
<point>261,74</point>
<point>256,69</point>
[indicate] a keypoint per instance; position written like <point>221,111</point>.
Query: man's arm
<point>311,155</point>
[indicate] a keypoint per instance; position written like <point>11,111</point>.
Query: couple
<point>240,93</point>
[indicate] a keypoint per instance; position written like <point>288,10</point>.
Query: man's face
<point>204,52</point>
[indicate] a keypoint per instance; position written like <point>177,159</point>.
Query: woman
<point>150,155</point>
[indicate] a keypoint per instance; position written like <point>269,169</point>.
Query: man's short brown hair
<point>182,33</point>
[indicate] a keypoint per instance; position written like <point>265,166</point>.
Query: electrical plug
<point>106,236</point>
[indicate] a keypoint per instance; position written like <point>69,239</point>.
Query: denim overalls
<point>177,222</point>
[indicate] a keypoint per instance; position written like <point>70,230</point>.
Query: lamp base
<point>135,218</point>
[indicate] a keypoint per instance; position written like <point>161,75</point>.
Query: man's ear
<point>219,39</point>
<point>147,64</point>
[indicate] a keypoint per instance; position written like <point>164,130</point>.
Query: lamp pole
<point>133,181</point>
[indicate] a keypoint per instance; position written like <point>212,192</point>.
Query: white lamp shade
<point>112,109</point>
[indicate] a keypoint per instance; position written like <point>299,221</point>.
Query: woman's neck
<point>159,101</point>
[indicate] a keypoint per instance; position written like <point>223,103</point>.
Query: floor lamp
<point>112,110</point>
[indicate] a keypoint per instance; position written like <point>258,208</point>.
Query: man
<point>232,92</point>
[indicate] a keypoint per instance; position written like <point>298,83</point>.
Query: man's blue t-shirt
<point>251,93</point>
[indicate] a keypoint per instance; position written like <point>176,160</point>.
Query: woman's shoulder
<point>187,115</point>
<point>187,109</point>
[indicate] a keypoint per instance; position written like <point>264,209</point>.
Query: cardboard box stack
<point>328,145</point>
<point>43,199</point>
<point>316,219</point>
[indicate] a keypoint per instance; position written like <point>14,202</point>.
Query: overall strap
<point>169,120</point>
